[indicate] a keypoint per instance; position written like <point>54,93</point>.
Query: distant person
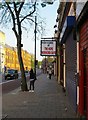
<point>32,80</point>
<point>50,73</point>
<point>47,70</point>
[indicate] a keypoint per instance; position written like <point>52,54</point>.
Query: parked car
<point>11,74</point>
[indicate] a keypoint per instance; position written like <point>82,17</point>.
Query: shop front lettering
<point>48,48</point>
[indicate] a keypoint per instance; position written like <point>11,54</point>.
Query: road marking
<point>10,80</point>
<point>6,82</point>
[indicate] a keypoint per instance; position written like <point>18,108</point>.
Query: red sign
<point>48,47</point>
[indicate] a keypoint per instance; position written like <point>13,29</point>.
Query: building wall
<point>16,61</point>
<point>71,69</point>
<point>11,58</point>
<point>83,69</point>
<point>32,60</point>
<point>26,60</point>
<point>71,59</point>
<point>61,65</point>
<point>2,43</point>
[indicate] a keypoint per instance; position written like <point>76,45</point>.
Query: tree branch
<point>31,19</point>
<point>10,10</point>
<point>18,21</point>
<point>16,12</point>
<point>29,14</point>
<point>21,7</point>
<point>13,18</point>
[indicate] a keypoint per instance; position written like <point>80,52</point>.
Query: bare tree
<point>17,12</point>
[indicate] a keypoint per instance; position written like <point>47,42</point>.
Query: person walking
<point>50,73</point>
<point>32,80</point>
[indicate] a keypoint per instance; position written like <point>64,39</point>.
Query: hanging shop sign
<point>48,48</point>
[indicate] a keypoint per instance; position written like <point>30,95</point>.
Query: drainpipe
<point>55,67</point>
<point>64,67</point>
<point>77,74</point>
<point>77,71</point>
<point>59,67</point>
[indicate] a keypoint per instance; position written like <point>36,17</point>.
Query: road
<point>1,78</point>
<point>9,85</point>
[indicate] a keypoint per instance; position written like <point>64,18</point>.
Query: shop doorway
<point>85,79</point>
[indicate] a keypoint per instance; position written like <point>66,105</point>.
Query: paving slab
<point>47,101</point>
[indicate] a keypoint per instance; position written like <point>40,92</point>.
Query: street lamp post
<point>35,38</point>
<point>35,47</point>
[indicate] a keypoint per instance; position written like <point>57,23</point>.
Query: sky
<point>49,15</point>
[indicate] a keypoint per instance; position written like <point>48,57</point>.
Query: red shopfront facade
<point>83,67</point>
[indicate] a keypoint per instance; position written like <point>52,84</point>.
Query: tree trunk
<point>23,77</point>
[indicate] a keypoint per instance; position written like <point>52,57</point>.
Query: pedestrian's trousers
<point>49,76</point>
<point>32,85</point>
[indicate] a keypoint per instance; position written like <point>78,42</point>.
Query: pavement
<point>47,101</point>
